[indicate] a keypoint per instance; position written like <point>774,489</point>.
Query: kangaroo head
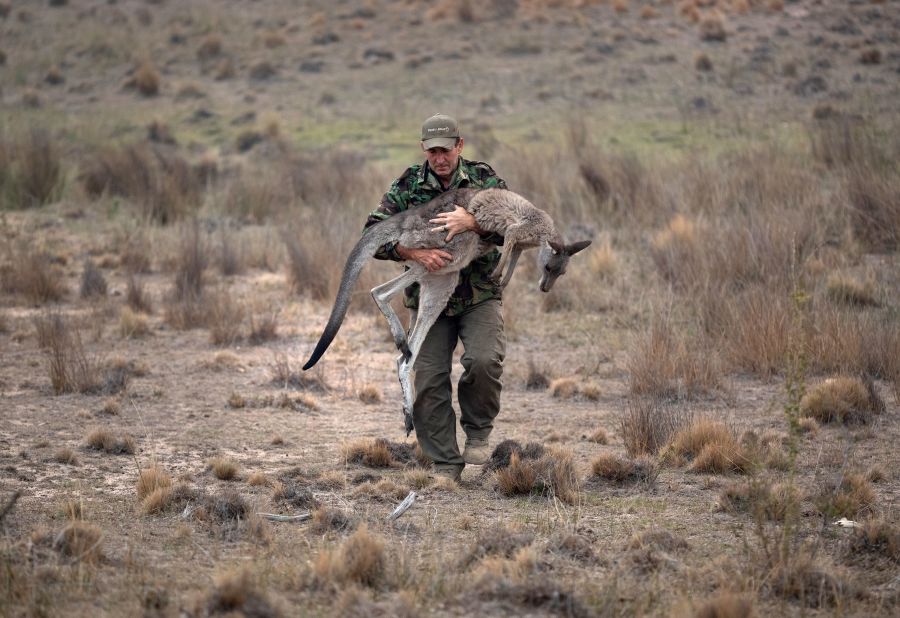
<point>553,260</point>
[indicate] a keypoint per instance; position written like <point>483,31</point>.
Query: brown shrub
<point>133,325</point>
<point>237,593</point>
<point>158,180</point>
<point>223,468</point>
<point>271,40</point>
<point>372,453</point>
<point>647,426</point>
<point>326,519</point>
<point>537,377</point>
<point>33,173</point>
<point>80,541</point>
<point>33,274</point>
<point>551,474</point>
<point>360,559</point>
<point>257,479</point>
<point>370,394</point>
<point>71,369</point>
<point>150,479</point>
<point>703,63</point>
<point>164,499</point>
<point>811,582</point>
<point>145,79</point>
<point>848,498</point>
<point>100,439</point>
<point>846,290</point>
<point>563,388</point>
<point>876,536</point>
<point>621,471</point>
<point>210,47</point>
<point>765,501</point>
<point>224,319</point>
<point>66,456</point>
<point>842,399</point>
<point>711,447</point>
<point>93,283</point>
<point>712,28</point>
<point>874,209</point>
<point>600,436</point>
<point>726,605</point>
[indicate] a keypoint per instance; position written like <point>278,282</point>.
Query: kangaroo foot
<point>407,421</point>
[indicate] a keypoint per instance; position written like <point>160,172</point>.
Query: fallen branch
<point>273,517</point>
<point>408,501</point>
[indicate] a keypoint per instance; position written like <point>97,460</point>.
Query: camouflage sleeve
<point>391,203</point>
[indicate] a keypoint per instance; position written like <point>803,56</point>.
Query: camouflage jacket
<point>418,185</point>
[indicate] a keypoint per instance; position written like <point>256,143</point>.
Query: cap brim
<point>439,142</point>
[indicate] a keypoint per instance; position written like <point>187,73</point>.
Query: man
<point>473,313</point>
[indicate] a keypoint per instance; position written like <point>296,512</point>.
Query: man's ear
<point>460,144</point>
<point>422,144</point>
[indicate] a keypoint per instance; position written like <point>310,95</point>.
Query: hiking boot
<point>447,471</point>
<point>477,451</point>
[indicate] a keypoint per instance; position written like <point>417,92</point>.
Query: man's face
<point>444,161</point>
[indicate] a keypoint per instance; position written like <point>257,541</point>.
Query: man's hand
<point>431,259</point>
<point>455,222</point>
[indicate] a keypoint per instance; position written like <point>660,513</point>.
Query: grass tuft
<point>842,399</point>
<point>100,439</point>
<point>223,468</point>
<point>360,559</point>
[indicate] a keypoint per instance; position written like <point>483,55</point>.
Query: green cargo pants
<point>480,328</point>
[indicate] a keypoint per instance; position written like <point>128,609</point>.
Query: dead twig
<point>408,501</point>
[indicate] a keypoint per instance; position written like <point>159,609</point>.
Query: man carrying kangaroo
<point>472,315</point>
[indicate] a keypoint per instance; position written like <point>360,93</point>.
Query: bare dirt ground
<point>362,76</point>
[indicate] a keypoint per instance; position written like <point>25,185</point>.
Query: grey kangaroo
<point>522,225</point>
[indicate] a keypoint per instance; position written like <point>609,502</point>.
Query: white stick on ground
<point>273,517</point>
<point>408,501</point>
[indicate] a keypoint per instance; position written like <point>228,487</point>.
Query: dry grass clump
<point>418,478</point>
<point>33,274</point>
<point>78,540</point>
<point>384,490</point>
<point>726,605</point>
<point>496,541</point>
<point>852,495</point>
<point>615,469</point>
<point>537,377</point>
<point>145,79</point>
<point>223,468</point>
<point>529,591</point>
<point>93,283</point>
<point>210,47</point>
<point>263,327</point>
<point>711,447</point>
<point>224,319</point>
<point>847,290</point>
<point>257,479</point>
<point>761,499</point>
<point>370,394</point>
<point>111,407</point>
<point>368,452</point>
<point>285,374</point>
<point>150,479</point>
<point>599,436</point>
<point>237,593</point>
<point>664,366</point>
<point>551,473</point>
<point>326,519</point>
<point>133,324</point>
<point>66,455</point>
<point>712,28</point>
<point>294,493</point>
<point>170,498</point>
<point>811,581</point>
<point>876,536</point>
<point>843,399</point>
<point>360,559</point>
<point>101,439</point>
<point>158,180</point>
<point>32,172</point>
<point>661,540</point>
<point>646,426</point>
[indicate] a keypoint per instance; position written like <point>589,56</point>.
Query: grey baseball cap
<point>440,131</point>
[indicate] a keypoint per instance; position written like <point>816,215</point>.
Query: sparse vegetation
<point>114,443</point>
<point>843,399</point>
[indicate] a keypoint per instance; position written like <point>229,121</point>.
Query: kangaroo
<point>522,224</point>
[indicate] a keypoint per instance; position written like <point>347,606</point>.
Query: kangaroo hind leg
<point>510,240</point>
<point>436,290</point>
<point>383,295</point>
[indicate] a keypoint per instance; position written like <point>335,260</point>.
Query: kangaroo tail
<point>374,237</point>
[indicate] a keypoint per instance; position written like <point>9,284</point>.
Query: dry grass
<point>223,468</point>
<point>33,173</point>
<point>763,500</point>
<point>711,447</point>
<point>615,469</point>
<point>812,582</point>
<point>33,274</point>
<point>374,453</point>
<point>70,367</point>
<point>237,592</point>
<point>145,79</point>
<point>646,426</point>
<point>847,290</point>
<point>599,436</point>
<point>133,324</point>
<point>726,605</point>
<point>101,439</point>
<point>370,394</point>
<point>360,559</point>
<point>93,283</point>
<point>263,326</point>
<point>850,497</point>
<point>876,536</point>
<point>326,519</point>
<point>258,479</point>
<point>151,479</point>
<point>564,388</point>
<point>551,474</point>
<point>224,317</point>
<point>79,541</point>
<point>66,455</point>
<point>842,399</point>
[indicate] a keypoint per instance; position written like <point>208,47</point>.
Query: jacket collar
<point>429,178</point>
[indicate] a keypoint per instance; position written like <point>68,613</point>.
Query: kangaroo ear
<point>575,247</point>
<point>556,246</point>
